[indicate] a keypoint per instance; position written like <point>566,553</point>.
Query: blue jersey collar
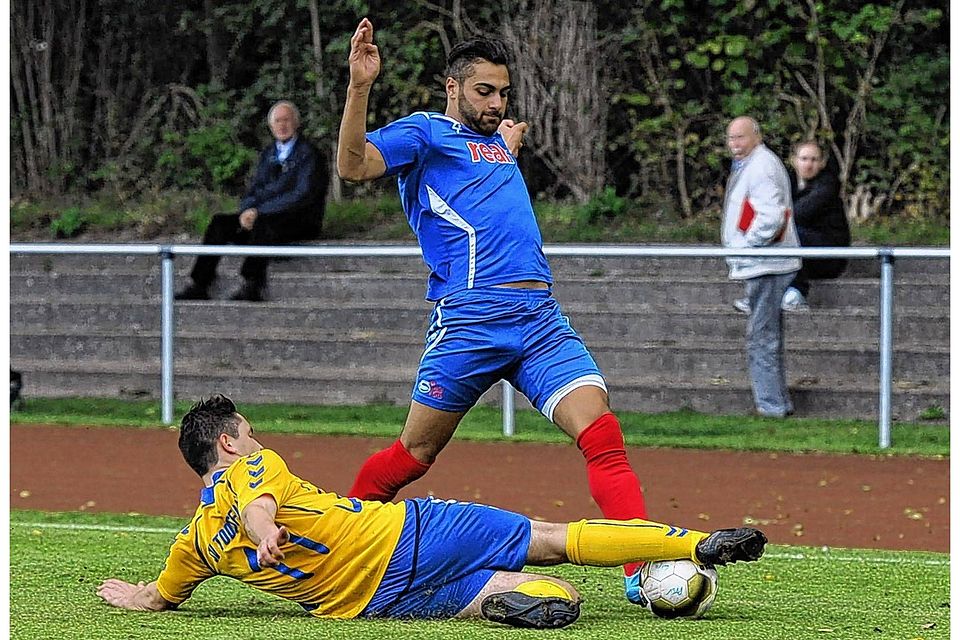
<point>206,494</point>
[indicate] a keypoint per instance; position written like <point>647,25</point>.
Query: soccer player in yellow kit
<point>422,558</point>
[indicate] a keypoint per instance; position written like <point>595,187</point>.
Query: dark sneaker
<point>248,293</point>
<point>192,292</point>
<point>530,612</point>
<point>726,546</point>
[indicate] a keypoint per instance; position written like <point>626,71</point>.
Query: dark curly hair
<point>201,427</point>
<point>466,54</point>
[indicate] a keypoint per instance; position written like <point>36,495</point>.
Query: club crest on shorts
<point>430,388</point>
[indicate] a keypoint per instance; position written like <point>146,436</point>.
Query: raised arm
<point>357,159</point>
<point>136,597</point>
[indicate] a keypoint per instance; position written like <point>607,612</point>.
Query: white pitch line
<point>93,527</point>
<point>770,555</point>
<point>844,558</point>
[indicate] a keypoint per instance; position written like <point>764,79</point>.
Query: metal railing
<point>167,253</point>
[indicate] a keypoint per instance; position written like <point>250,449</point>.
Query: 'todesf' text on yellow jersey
<point>337,555</point>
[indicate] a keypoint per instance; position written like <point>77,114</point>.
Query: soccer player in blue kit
<point>495,317</point>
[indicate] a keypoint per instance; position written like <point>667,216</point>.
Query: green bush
<point>206,157</point>
<point>377,215</point>
<point>68,224</point>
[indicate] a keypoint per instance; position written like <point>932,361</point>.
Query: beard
<point>476,121</point>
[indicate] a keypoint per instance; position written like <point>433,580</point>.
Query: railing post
<point>507,407</point>
<point>886,345</point>
<point>166,335</point>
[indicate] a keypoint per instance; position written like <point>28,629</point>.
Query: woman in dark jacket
<point>820,219</point>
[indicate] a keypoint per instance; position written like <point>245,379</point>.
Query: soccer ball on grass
<point>678,588</point>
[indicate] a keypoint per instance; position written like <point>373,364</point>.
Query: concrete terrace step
<point>355,349</point>
<point>639,322</point>
<point>826,398</point>
<point>681,290</point>
<point>350,331</point>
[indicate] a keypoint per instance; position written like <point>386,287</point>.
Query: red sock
<point>386,472</point>
<point>613,484</point>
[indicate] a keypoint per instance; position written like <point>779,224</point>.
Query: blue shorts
<point>480,336</point>
<point>447,552</point>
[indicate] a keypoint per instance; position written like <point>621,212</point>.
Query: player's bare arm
<point>258,519</point>
<point>513,133</point>
<point>135,597</point>
<point>357,159</point>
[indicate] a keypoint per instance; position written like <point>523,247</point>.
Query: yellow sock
<point>542,589</point>
<point>609,543</point>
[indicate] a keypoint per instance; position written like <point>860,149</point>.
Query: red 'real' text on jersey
<point>489,152</point>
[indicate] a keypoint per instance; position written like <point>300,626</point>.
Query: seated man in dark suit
<point>285,203</point>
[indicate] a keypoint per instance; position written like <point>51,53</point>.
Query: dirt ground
<point>837,501</point>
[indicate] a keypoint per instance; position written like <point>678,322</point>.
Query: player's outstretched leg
<point>726,546</point>
<point>614,542</point>
<point>538,604</point>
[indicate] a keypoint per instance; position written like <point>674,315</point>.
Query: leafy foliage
<point>158,98</point>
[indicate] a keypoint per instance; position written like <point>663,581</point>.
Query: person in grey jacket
<point>757,213</point>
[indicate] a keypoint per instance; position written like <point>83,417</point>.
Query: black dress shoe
<point>192,292</point>
<point>249,293</point>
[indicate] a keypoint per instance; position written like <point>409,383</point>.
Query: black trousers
<point>817,268</point>
<point>278,228</point>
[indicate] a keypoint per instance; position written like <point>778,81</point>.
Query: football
<point>678,588</point>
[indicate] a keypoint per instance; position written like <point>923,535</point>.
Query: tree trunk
<point>215,36</point>
<point>652,61</point>
<point>335,186</point>
<point>558,88</point>
<point>22,106</point>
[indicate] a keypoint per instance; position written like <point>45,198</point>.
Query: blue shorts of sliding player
<point>447,552</point>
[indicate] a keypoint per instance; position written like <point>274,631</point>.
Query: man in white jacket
<point>757,213</point>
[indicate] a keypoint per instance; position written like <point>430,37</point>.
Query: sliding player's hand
<point>268,551</point>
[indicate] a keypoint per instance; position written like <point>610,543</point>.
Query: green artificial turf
<point>57,560</point>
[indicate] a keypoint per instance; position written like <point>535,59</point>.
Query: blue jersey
<point>465,200</point>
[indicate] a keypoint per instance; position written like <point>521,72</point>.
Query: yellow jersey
<point>337,555</point>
